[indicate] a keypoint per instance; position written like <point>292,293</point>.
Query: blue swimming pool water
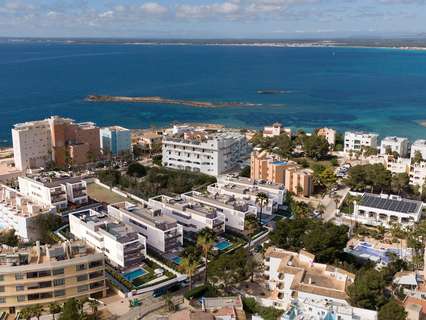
<point>132,275</point>
<point>365,248</point>
<point>222,245</point>
<point>177,260</point>
<point>279,163</point>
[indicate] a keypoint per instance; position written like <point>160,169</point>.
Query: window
<point>45,273</point>
<point>19,276</point>
<point>20,288</point>
<point>59,293</point>
<point>83,288</point>
<point>80,267</point>
<point>1,277</point>
<point>1,288</point>
<point>96,274</point>
<point>58,282</point>
<point>58,271</point>
<point>2,300</point>
<point>21,298</point>
<point>95,264</point>
<point>83,277</point>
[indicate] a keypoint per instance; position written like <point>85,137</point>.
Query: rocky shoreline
<point>161,100</point>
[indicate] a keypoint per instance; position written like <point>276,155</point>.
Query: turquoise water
<point>346,88</point>
<point>222,245</point>
<point>177,260</point>
<point>132,275</point>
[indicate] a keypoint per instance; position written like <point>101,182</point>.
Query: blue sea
<point>381,90</point>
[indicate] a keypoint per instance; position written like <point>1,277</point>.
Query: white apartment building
<point>328,134</point>
<point>118,242</point>
<point>395,144</point>
<point>291,274</point>
<point>242,188</point>
<point>191,215</point>
<point>420,146</point>
<point>355,140</point>
<point>56,191</point>
<point>275,130</point>
<point>418,174</point>
<point>385,210</point>
<point>32,144</point>
<point>400,165</point>
<point>235,210</point>
<point>210,154</point>
<point>162,233</point>
<point>322,309</point>
<point>18,212</point>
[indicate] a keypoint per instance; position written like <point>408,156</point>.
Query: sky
<point>211,18</point>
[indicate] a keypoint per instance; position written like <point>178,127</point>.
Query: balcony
<point>78,194</point>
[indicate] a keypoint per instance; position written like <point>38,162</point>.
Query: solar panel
<point>403,206</point>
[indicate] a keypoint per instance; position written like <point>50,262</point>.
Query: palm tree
<point>189,266</point>
<point>262,200</point>
<point>250,226</point>
<point>205,240</point>
<point>54,308</point>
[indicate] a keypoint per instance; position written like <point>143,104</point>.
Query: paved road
<point>330,204</point>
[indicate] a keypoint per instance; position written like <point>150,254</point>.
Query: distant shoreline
<point>415,44</point>
<point>161,100</point>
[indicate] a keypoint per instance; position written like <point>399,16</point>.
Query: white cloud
<point>153,8</point>
<point>106,14</point>
<point>202,11</point>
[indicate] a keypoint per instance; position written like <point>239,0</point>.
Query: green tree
<point>26,313</point>
<point>205,241</point>
<point>54,308</point>
<point>228,270</point>
<point>250,226</point>
<point>37,311</point>
<point>399,182</point>
<point>245,172</point>
<point>315,147</point>
<point>367,291</point>
<point>392,311</point>
<point>328,178</point>
<point>189,266</point>
<point>135,169</point>
<point>369,151</point>
<point>71,310</point>
<point>373,176</point>
<point>262,200</point>
<point>417,157</point>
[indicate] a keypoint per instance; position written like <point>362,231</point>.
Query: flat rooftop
<point>192,207</point>
<point>44,254</point>
<point>220,200</point>
<point>146,215</point>
<point>396,205</point>
<point>250,183</point>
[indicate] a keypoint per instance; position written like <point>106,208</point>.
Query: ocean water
<point>381,90</point>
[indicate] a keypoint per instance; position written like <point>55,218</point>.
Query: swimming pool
<point>222,245</point>
<point>132,275</point>
<point>177,260</point>
<point>366,249</point>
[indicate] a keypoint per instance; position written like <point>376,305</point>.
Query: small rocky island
<point>160,100</point>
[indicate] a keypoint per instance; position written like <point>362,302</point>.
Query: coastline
<point>161,100</point>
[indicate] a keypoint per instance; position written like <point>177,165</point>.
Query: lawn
<point>102,194</point>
